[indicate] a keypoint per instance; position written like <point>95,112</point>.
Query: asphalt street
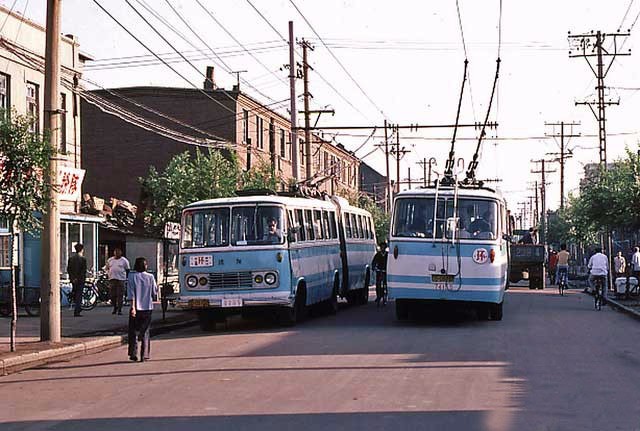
<point>552,363</point>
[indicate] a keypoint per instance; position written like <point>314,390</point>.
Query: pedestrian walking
<point>619,265</point>
<point>77,270</point>
<point>635,263</point>
<point>117,269</point>
<point>142,290</point>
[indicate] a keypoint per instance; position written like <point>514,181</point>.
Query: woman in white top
<point>142,290</point>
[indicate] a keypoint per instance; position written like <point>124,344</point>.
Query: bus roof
<point>480,192</point>
<point>262,199</point>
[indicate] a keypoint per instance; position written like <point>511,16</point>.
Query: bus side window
<point>317,224</point>
<point>332,224</point>
<point>367,230</point>
<point>347,225</point>
<point>354,226</point>
<point>291,226</point>
<point>325,225</point>
<point>309,224</point>
<point>300,232</point>
<point>371,229</point>
<point>360,227</point>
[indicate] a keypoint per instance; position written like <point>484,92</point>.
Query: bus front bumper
<point>283,299</point>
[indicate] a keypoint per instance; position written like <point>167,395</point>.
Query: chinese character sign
<point>70,183</point>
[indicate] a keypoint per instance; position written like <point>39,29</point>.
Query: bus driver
<point>273,235</point>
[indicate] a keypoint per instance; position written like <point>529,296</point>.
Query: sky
<point>405,64</point>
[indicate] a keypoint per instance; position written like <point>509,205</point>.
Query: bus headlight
<point>270,278</point>
<point>258,279</point>
<point>203,281</point>
<point>192,281</point>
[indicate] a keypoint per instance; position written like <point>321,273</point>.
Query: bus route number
<point>204,260</point>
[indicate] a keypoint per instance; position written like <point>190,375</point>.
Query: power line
<point>346,71</point>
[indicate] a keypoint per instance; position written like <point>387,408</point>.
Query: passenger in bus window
<point>273,233</point>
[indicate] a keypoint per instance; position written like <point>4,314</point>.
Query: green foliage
<point>24,157</point>
<point>607,201</point>
<point>381,220</point>
<point>260,176</point>
<point>185,180</point>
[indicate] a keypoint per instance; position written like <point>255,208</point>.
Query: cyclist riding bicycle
<point>599,268</point>
<point>380,267</point>
<point>562,266</point>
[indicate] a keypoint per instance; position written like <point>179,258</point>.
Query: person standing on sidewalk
<point>77,270</point>
<point>619,265</point>
<point>635,263</point>
<point>142,290</point>
<point>117,269</point>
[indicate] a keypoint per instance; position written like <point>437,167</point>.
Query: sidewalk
<point>629,306</point>
<point>95,331</point>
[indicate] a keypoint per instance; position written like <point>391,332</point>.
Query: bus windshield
<point>475,218</point>
<point>206,228</point>
<point>257,225</point>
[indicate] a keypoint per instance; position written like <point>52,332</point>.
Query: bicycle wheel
<point>89,298</point>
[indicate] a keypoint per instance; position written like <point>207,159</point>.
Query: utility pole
<point>50,268</point>
<point>423,163</point>
<point>591,46</point>
<point>307,121</point>
<point>293,136</point>
<point>409,176</point>
<point>543,196</point>
<point>563,154</point>
<point>398,153</point>
<point>427,164</point>
<point>386,156</point>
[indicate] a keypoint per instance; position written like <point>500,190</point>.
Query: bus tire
<point>289,316</point>
<point>402,309</point>
<point>495,312</point>
<point>332,303</point>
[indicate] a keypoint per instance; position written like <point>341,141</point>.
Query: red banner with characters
<point>70,183</point>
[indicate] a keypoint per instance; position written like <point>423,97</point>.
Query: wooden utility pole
<point>307,116</point>
<point>563,154</point>
<point>423,163</point>
<point>398,153</point>
<point>50,268</point>
<point>590,46</point>
<point>409,176</point>
<point>293,136</point>
<point>543,196</point>
<point>386,157</point>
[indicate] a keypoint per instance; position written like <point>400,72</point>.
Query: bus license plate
<point>441,278</point>
<point>198,303</point>
<point>231,302</point>
<point>204,260</point>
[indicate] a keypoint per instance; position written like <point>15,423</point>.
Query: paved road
<point>553,363</point>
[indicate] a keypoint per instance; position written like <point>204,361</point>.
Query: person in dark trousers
<point>142,290</point>
<point>77,270</point>
<point>380,267</point>
<point>117,268</point>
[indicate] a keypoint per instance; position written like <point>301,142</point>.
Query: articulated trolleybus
<point>251,254</point>
<point>447,244</point>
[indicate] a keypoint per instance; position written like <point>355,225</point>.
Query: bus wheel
<point>289,316</point>
<point>402,309</point>
<point>364,292</point>
<point>332,303</point>
<point>495,311</point>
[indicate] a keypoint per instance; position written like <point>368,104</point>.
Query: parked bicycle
<point>26,297</point>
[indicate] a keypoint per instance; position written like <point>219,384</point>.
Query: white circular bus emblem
<point>480,255</point>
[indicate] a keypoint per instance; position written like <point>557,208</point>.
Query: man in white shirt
<point>599,268</point>
<point>635,262</point>
<point>117,268</point>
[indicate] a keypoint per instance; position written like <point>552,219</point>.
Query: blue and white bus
<point>257,253</point>
<point>448,243</point>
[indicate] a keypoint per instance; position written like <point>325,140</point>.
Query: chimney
<point>209,83</point>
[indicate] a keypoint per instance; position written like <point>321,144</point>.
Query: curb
<point>628,310</point>
<point>96,345</point>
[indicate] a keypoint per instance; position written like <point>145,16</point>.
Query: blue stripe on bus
<point>426,279</point>
<point>445,295</point>
<point>427,248</point>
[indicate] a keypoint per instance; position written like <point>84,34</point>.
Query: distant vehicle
<point>257,253</point>
<point>448,244</point>
<point>527,262</point>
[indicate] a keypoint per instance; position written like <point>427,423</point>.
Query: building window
<point>33,107</point>
<point>5,87</point>
<point>63,122</point>
<point>259,132</point>
<point>283,144</point>
<point>245,126</point>
<point>5,244</point>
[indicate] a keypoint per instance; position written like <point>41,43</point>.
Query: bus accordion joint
<point>395,252</point>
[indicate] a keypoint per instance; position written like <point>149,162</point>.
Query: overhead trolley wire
<point>346,71</point>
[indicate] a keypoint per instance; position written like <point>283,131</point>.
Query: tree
<point>187,179</point>
<point>381,219</point>
<point>24,156</point>
<point>260,176</point>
